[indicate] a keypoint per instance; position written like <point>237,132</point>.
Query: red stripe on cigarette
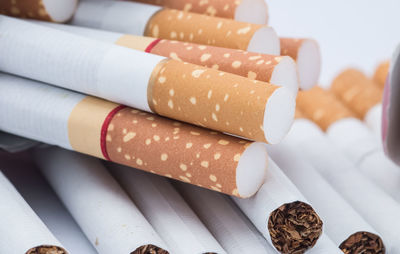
<point>104,129</point>
<point>152,45</point>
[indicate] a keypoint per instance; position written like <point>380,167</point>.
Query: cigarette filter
<point>166,211</point>
<point>149,20</point>
<point>107,216</point>
<point>41,198</point>
<point>48,10</point>
<point>361,95</point>
<point>21,230</point>
<point>280,70</point>
<point>275,210</point>
<point>251,11</point>
<point>225,221</point>
<point>354,139</point>
<point>186,92</point>
<point>377,208</point>
<point>306,53</point>
<point>381,73</point>
<point>342,223</point>
<point>131,137</point>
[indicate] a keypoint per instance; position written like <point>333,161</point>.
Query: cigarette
<point>21,230</point>
<point>307,54</point>
<point>345,176</point>
<point>251,11</point>
<point>205,97</point>
<point>280,70</point>
<point>225,221</point>
<point>341,222</point>
<point>275,209</point>
<point>361,95</point>
<point>154,21</point>
<point>41,198</point>
<point>166,211</point>
<point>131,137</point>
<point>109,219</point>
<point>55,11</point>
<point>381,73</point>
<point>351,136</point>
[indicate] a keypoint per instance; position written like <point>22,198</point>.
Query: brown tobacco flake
<point>363,242</point>
<point>46,249</point>
<point>294,227</point>
<point>149,249</point>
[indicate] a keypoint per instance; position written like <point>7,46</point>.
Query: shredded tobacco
<point>149,249</point>
<point>363,242</point>
<point>294,227</point>
<point>46,249</point>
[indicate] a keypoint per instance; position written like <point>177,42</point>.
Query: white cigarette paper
<point>377,208</point>
<point>225,221</point>
<point>166,211</point>
<point>274,193</point>
<point>21,230</point>
<point>340,219</point>
<point>107,216</point>
<point>41,198</point>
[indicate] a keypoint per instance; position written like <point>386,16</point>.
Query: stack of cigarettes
<point>184,127</point>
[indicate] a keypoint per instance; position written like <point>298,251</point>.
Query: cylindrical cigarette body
<point>32,186</point>
<point>306,53</point>
<point>102,209</point>
<point>279,70</point>
<point>21,230</point>
<point>381,73</point>
<point>48,10</point>
<point>370,201</point>
<point>354,139</point>
<point>143,19</point>
<point>190,93</point>
<point>166,211</point>
<point>340,220</point>
<point>128,136</point>
<point>272,210</point>
<point>361,95</point>
<point>225,221</point>
<point>251,11</point>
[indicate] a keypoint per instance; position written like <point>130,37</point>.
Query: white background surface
<point>358,33</point>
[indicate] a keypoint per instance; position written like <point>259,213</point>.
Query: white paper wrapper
<point>359,145</point>
<point>75,62</point>
<point>107,216</point>
<point>166,211</point>
<point>374,120</point>
<point>118,16</point>
<point>340,219</point>
<point>377,208</point>
<point>20,228</point>
<point>225,221</point>
<point>44,202</point>
<point>325,246</point>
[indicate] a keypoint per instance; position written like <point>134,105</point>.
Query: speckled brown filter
<point>381,74</point>
<point>214,99</point>
<point>46,249</point>
<point>176,150</point>
<point>33,9</point>
<point>294,227</point>
<point>219,8</point>
<point>356,91</point>
<point>322,107</point>
<point>240,62</point>
<point>202,29</point>
<point>363,242</point>
<point>149,249</point>
<point>290,46</point>
<point>298,114</point>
